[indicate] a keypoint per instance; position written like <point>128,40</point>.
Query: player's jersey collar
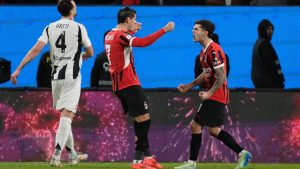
<point>204,49</point>
<point>65,18</point>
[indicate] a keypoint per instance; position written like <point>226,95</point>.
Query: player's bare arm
<point>197,81</point>
<point>220,78</point>
<point>33,52</point>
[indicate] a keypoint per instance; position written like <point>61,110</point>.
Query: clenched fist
<point>169,27</point>
<point>183,88</point>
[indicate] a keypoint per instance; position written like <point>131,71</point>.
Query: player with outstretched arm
<point>126,84</point>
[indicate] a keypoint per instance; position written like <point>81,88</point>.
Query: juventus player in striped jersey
<point>126,85</point>
<point>66,38</point>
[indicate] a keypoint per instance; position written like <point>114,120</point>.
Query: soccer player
<point>66,38</point>
<point>126,84</point>
<point>211,112</point>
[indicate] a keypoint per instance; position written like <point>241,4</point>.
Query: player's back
<point>65,38</point>
<point>116,49</point>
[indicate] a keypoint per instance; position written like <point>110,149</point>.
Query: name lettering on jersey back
<point>109,37</point>
<point>62,25</point>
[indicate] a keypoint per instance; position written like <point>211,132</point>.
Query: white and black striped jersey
<point>66,38</point>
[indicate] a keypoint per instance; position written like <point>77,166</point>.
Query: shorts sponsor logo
<point>145,105</point>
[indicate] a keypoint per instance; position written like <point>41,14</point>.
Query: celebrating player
<point>211,112</point>
<point>66,38</point>
<point>126,84</point>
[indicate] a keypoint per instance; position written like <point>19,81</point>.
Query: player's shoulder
<point>111,34</point>
<point>52,24</point>
<point>215,47</point>
<point>121,33</point>
<point>79,24</point>
<point>118,31</point>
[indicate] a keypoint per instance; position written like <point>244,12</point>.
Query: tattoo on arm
<point>220,78</point>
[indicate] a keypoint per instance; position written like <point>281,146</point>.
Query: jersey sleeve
<point>86,42</point>
<point>45,36</point>
<point>217,59</point>
<point>126,39</point>
<point>148,40</point>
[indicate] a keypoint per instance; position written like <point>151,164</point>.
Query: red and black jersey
<point>118,47</point>
<point>211,58</point>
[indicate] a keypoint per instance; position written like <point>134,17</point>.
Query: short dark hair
<point>207,25</point>
<point>64,7</point>
<point>124,13</point>
<point>215,38</point>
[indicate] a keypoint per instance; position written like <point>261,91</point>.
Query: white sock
<point>62,134</point>
<point>136,161</point>
<point>149,157</point>
<point>70,145</point>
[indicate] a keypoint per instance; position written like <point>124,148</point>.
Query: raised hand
<point>169,27</point>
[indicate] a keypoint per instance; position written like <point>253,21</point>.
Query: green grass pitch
<point>117,165</point>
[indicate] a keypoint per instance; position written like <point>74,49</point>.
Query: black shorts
<point>133,100</point>
<point>211,113</point>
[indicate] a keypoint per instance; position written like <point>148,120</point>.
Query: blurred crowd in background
<point>269,64</point>
<point>164,2</point>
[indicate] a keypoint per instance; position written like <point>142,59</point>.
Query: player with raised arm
<point>66,39</point>
<point>126,84</point>
<point>215,98</point>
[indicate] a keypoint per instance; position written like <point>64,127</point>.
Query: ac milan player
<point>126,84</point>
<point>211,112</point>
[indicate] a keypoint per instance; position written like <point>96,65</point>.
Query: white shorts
<point>66,94</point>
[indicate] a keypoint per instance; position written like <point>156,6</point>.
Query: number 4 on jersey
<point>60,42</point>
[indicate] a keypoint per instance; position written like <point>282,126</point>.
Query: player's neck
<point>206,42</point>
<point>68,17</point>
<point>122,27</point>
